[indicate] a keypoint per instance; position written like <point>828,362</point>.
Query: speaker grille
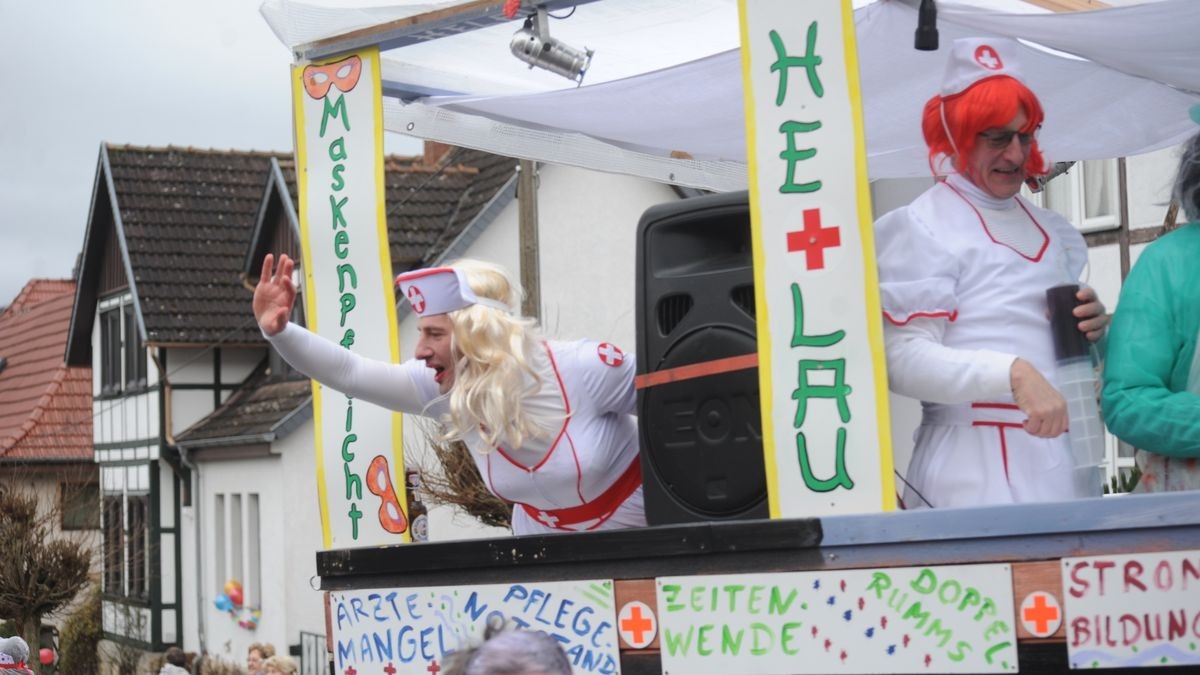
<point>671,311</point>
<point>743,298</point>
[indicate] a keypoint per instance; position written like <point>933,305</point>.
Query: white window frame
<point>1074,182</point>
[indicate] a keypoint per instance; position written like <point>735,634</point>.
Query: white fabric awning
<point>666,83</point>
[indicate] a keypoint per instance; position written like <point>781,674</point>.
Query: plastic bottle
<point>1077,383</point>
<point>418,515</point>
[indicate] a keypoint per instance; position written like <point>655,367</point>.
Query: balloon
<point>231,585</point>
<point>235,596</point>
<point>248,618</point>
<point>223,603</point>
<point>46,656</point>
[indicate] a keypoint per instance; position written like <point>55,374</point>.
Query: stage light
<point>533,45</point>
<point>926,38</point>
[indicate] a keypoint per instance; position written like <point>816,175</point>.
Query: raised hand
<point>1093,319</point>
<point>274,295</point>
<point>1044,407</point>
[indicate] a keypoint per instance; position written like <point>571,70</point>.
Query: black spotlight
<point>926,38</point>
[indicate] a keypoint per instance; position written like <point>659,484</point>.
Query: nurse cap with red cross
<point>976,59</point>
<point>438,290</point>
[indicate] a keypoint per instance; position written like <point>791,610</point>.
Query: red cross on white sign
<point>637,624</point>
<point>988,58</point>
<point>434,667</point>
<point>417,300</point>
<point>1040,614</point>
<point>610,354</point>
<point>389,669</point>
<point>813,240</point>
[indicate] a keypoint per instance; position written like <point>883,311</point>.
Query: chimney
<point>435,152</point>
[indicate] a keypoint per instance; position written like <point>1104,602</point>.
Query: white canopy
<point>666,82</point>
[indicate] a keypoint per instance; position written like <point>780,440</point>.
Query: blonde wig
<point>492,371</point>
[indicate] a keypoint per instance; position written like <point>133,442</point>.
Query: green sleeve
<point>1143,402</point>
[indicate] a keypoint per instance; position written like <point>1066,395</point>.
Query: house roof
<point>262,411</point>
<point>431,199</point>
<point>182,218</point>
<point>187,216</point>
<point>45,406</point>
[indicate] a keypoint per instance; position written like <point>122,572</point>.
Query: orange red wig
<point>988,104</point>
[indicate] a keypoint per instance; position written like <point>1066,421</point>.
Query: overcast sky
<point>201,73</point>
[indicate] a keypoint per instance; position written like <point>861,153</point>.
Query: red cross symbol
<point>637,624</point>
<point>813,240</point>
<point>417,300</point>
<point>988,58</point>
<point>351,671</point>
<point>1040,614</point>
<point>390,669</point>
<point>610,355</point>
<point>434,667</point>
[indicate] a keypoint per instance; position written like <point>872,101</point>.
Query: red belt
<point>601,507</point>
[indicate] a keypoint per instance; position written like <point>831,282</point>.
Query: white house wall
<point>167,544</point>
<point>188,407</point>
<point>288,534</point>
<point>238,364</point>
<point>301,530</point>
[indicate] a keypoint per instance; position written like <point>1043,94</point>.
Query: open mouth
<point>439,374</point>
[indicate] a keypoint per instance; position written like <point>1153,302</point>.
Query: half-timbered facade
<point>162,318</point>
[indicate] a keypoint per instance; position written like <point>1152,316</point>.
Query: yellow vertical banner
<point>822,376</point>
<point>348,296</point>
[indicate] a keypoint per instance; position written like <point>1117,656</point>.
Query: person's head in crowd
<point>280,665</point>
<point>175,656</point>
<point>511,652</point>
<point>1187,179</point>
<point>256,654</point>
<point>984,121</point>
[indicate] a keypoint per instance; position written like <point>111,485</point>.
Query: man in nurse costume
<point>549,424</point>
<point>963,272</point>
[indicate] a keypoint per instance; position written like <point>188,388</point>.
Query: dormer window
<point>122,352</point>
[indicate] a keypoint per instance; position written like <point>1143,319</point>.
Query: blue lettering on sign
<point>388,627</point>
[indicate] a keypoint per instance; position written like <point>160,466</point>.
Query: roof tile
<point>45,407</point>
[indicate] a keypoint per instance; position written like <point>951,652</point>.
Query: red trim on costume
<point>566,420</point>
<point>950,316</point>
<point>1045,237</point>
<point>578,469</point>
<point>1001,406</point>
<point>14,666</point>
<point>417,274</point>
<point>1000,427</point>
<point>602,507</point>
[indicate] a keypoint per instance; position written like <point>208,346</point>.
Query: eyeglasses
<point>998,139</point>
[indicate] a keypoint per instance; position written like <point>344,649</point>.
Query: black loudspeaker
<point>701,435</point>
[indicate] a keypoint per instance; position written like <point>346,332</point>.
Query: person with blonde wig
<point>963,274</point>
<point>549,424</point>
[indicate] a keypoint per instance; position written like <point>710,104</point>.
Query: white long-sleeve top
<point>962,281</point>
<point>588,456</point>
